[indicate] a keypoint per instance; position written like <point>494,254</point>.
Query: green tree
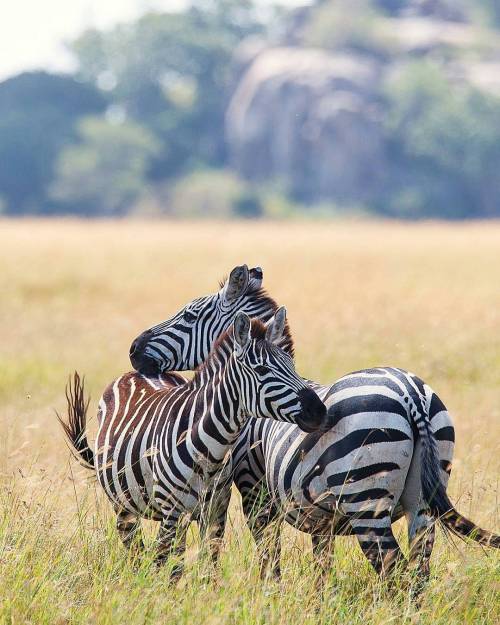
<point>170,72</point>
<point>492,8</point>
<point>445,147</point>
<point>104,174</point>
<point>37,117</point>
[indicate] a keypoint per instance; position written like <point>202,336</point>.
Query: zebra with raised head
<point>387,454</point>
<point>184,341</point>
<point>128,405</point>
<point>161,451</point>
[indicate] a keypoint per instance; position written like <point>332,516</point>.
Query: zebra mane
<point>260,295</point>
<point>224,345</point>
<point>263,297</point>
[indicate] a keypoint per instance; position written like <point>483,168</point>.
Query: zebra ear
<point>241,333</point>
<point>276,326</point>
<point>236,284</point>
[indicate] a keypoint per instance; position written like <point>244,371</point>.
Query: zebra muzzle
<point>313,416</point>
<point>142,362</point>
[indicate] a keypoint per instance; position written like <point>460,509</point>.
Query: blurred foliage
<point>104,173</point>
<point>141,125</point>
<point>37,116</point>
<point>213,194</point>
<point>359,29</point>
<point>170,72</point>
<point>492,8</point>
<point>445,146</point>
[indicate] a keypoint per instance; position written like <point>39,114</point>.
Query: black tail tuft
<point>75,427</point>
<point>440,504</point>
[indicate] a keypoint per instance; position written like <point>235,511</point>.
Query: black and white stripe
<point>162,445</point>
<point>184,341</point>
<point>388,453</point>
<point>358,477</point>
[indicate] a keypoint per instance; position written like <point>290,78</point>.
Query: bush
<point>248,205</point>
<point>213,194</point>
<point>105,172</point>
<point>444,144</point>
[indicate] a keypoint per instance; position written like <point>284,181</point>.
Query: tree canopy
<point>143,119</point>
<point>38,112</point>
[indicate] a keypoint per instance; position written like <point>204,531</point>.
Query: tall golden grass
<point>73,294</point>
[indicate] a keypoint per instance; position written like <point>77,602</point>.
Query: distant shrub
<point>444,144</point>
<point>213,194</point>
<point>248,205</point>
<point>105,172</point>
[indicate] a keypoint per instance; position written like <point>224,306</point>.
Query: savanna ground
<point>74,294</point>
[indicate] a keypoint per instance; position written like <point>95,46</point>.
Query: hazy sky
<point>32,32</point>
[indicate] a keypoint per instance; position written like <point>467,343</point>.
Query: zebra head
<point>185,340</point>
<point>269,386</point>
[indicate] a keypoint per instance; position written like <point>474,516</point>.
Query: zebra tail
<point>76,424</point>
<point>437,499</point>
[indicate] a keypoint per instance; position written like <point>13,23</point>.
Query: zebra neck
<point>221,419</point>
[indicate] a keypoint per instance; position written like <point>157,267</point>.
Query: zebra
<point>161,451</point>
<point>388,454</point>
<point>241,291</point>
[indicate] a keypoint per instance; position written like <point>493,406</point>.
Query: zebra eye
<point>261,369</point>
<point>189,316</point>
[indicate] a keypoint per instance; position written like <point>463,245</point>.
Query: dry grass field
<point>74,294</point>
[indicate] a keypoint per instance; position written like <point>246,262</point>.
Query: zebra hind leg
<point>129,530</point>
<point>379,545</point>
<point>263,520</point>
<point>421,535</point>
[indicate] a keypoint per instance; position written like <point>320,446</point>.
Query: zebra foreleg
<point>264,521</point>
<point>212,520</point>
<point>129,530</point>
<point>267,539</point>
<point>171,544</point>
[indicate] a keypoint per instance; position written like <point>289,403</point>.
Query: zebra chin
<point>313,416</point>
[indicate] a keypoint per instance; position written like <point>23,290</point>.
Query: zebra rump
<point>437,499</point>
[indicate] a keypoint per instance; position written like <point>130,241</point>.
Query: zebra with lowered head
<point>387,454</point>
<point>165,457</point>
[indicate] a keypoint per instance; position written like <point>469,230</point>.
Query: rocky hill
<point>317,111</point>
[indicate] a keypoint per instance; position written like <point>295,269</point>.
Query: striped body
<point>366,461</point>
<point>388,453</point>
<point>128,416</point>
<point>163,444</point>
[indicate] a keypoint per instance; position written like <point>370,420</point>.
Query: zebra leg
<point>128,525</point>
<point>421,535</point>
<point>267,534</point>
<point>263,520</point>
<point>171,543</point>
<point>212,524</point>
<point>421,525</point>
<point>378,544</point>
<point>323,546</point>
